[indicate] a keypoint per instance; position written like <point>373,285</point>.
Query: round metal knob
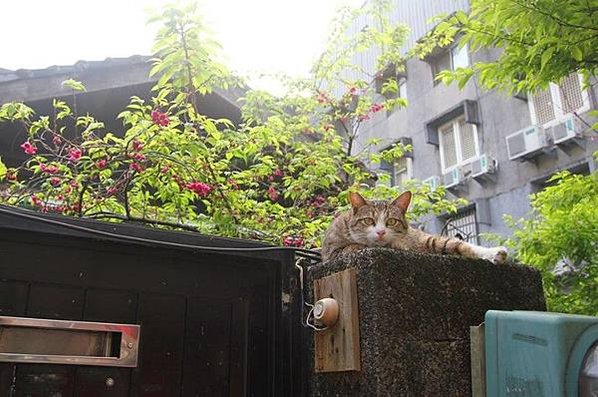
<point>109,382</point>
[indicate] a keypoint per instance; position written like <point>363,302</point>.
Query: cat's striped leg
<point>455,246</point>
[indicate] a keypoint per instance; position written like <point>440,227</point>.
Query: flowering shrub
<point>279,177</point>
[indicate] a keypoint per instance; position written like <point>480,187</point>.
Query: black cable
<point>309,254</point>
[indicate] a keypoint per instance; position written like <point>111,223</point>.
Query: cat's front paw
<point>496,255</point>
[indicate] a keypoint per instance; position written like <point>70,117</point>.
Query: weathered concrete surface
<point>415,313</point>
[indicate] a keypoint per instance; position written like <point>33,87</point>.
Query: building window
<point>452,59</point>
<point>403,89</point>
<point>459,57</point>
<point>401,92</point>
<point>551,106</point>
<point>458,142</point>
<point>462,225</point>
<point>399,171</point>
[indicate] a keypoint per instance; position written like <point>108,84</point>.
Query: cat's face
<point>378,223</point>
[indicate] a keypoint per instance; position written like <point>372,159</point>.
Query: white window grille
<point>458,143</point>
<point>462,225</point>
<point>551,106</point>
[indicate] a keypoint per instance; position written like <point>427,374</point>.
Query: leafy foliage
<point>279,176</point>
<point>564,226</point>
<point>540,41</point>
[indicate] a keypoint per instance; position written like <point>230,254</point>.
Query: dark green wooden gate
<point>212,323</point>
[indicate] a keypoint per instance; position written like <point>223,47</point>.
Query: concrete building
<point>486,146</point>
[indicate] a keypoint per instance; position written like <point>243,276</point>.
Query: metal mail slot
<point>37,340</point>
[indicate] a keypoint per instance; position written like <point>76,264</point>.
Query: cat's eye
<point>368,221</point>
<point>391,222</point>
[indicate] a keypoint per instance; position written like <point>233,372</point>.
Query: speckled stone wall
<point>415,313</point>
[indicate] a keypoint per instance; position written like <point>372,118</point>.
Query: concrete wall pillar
<point>415,312</point>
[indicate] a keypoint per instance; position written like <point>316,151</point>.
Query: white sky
<point>266,36</point>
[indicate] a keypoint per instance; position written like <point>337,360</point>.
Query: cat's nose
<point>380,233</point>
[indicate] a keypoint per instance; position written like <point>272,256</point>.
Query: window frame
<point>391,170</point>
<point>457,138</point>
<point>557,107</point>
<point>434,61</point>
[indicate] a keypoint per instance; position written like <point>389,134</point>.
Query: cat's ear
<point>356,200</point>
<point>403,201</point>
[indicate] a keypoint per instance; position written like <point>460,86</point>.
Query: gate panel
<point>208,320</point>
<point>210,359</point>
<point>58,302</point>
<point>162,320</point>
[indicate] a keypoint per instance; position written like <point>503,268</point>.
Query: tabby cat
<point>383,224</point>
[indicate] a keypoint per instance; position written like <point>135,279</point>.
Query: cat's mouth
<point>380,241</point>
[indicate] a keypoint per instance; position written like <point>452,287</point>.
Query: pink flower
<point>199,188</point>
<point>55,181</point>
<point>56,140</point>
<point>139,157</point>
<point>28,148</point>
<point>36,200</point>
<point>136,167</point>
<point>290,241</point>
<point>101,164</point>
<point>74,184</point>
<point>160,118</point>
<point>165,169</point>
<point>11,176</point>
<point>74,155</point>
<point>376,107</point>
<point>353,90</point>
<point>137,145</point>
<point>50,169</point>
<point>322,98</point>
<point>278,172</point>
<point>363,117</point>
<point>317,201</point>
<point>273,193</point>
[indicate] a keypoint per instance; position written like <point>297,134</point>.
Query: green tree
<point>541,41</point>
<point>563,227</point>
<point>278,177</point>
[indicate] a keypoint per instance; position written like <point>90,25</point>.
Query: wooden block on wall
<point>337,348</point>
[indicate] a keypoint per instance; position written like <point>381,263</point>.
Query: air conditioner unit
<point>482,166</point>
<point>433,182</point>
<point>528,143</point>
<point>570,128</point>
<point>453,178</point>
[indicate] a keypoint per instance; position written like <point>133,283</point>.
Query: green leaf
<point>74,85</point>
